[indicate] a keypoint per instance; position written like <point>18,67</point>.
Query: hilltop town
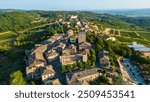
<point>73,48</point>
<point>59,49</point>
<point>70,58</point>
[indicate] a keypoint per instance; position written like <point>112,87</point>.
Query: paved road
<point>133,71</point>
<point>57,67</point>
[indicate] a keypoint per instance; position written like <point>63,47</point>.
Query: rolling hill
<point>127,12</point>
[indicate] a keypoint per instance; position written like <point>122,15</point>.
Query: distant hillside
<point>16,20</point>
<point>10,10</point>
<point>127,12</point>
<point>12,20</point>
<point>138,21</point>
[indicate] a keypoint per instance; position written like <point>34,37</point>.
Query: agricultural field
<point>131,34</point>
<point>116,32</point>
<point>7,36</point>
<point>111,31</point>
<point>145,35</point>
<point>125,34</point>
<point>134,35</point>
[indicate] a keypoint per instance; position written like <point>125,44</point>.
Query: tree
<point>98,47</point>
<point>68,68</point>
<point>100,41</point>
<point>63,69</point>
<point>118,80</point>
<point>4,48</point>
<point>112,62</point>
<point>101,80</point>
<point>88,64</point>
<point>74,66</point>
<point>16,78</point>
<point>104,79</point>
<point>92,56</point>
<point>17,21</point>
<point>80,65</point>
<point>92,52</point>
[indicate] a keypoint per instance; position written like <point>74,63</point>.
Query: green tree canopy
<point>118,80</point>
<point>16,78</point>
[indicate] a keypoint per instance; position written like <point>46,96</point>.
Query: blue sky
<point>73,4</point>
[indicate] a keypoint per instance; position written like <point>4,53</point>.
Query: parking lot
<point>133,72</point>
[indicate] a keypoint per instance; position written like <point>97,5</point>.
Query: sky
<point>73,4</point>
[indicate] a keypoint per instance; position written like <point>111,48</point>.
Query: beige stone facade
<point>48,73</point>
<point>81,37</point>
<point>36,62</point>
<point>79,78</point>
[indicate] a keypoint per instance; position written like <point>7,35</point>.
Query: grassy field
<point>129,40</point>
<point>135,35</point>
<point>145,35</point>
<point>130,36</point>
<point>124,34</point>
<point>6,36</point>
<point>114,32</point>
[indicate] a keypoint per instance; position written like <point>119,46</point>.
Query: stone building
<point>104,59</point>
<point>52,55</point>
<point>35,62</point>
<point>48,74</point>
<point>81,37</point>
<point>82,77</point>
